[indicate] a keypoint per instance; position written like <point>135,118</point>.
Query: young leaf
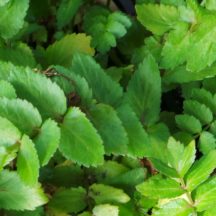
<point>181,158</point>
<point>27,162</point>
<point>47,141</point>
<point>21,113</point>
<point>15,195</point>
<point>207,142</point>
<point>110,127</point>
<point>104,89</point>
<point>106,210</point>
<point>198,110</point>
<point>62,51</point>
<point>12,16</point>
<point>71,200</point>
<point>79,138</point>
<point>66,11</point>
<point>188,123</point>
<point>157,18</point>
<point>201,170</point>
<point>144,91</point>
<point>7,90</point>
<point>139,142</point>
<point>106,194</point>
<point>158,187</point>
<point>205,195</point>
<point>177,207</point>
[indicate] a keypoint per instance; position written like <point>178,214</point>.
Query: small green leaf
<point>198,110</point>
<point>106,210</point>
<point>188,123</point>
<point>157,18</point>
<point>47,141</point>
<point>21,113</point>
<point>207,142</point>
<point>201,170</point>
<point>71,200</point>
<point>62,51</point>
<point>7,90</point>
<point>12,16</point>
<point>205,195</point>
<point>15,195</point>
<point>78,136</point>
<point>177,207</point>
<point>103,194</point>
<point>158,187</point>
<point>144,91</point>
<point>28,162</point>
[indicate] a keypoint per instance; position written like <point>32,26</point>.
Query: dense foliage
<point>105,114</point>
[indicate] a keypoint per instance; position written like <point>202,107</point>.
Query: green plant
<point>88,123</point>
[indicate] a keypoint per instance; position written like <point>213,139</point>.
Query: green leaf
<point>19,54</point>
<point>38,212</point>
<point>15,195</point>
<point>158,187</point>
<point>21,113</point>
<point>188,123</point>
<point>205,195</point>
<point>209,212</point>
<point>71,200</point>
<point>47,141</point>
<point>28,162</point>
<point>101,23</point>
<point>12,16</point>
<point>201,170</point>
<point>78,136</point>
<point>209,4</point>
<point>7,90</point>
<point>198,110</point>
<point>207,142</point>
<point>110,127</point>
<point>144,91</point>
<point>157,18</point>
<point>103,194</point>
<point>37,89</point>
<point>66,11</point>
<point>181,157</point>
<point>61,52</point>
<point>177,207</point>
<point>139,143</point>
<point>105,210</point>
<point>104,89</point>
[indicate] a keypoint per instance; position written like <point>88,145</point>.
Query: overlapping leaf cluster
<point>88,120</point>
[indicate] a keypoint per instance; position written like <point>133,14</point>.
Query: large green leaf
<point>201,170</point>
<point>80,141</point>
<point>104,89</point>
<point>205,195</point>
<point>157,18</point>
<point>71,200</point>
<point>144,91</point>
<point>37,89</point>
<point>106,194</point>
<point>66,11</point>
<point>62,51</point>
<point>158,187</point>
<point>47,141</point>
<point>28,162</point>
<point>21,113</point>
<point>110,127</point>
<point>15,195</point>
<point>12,16</point>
